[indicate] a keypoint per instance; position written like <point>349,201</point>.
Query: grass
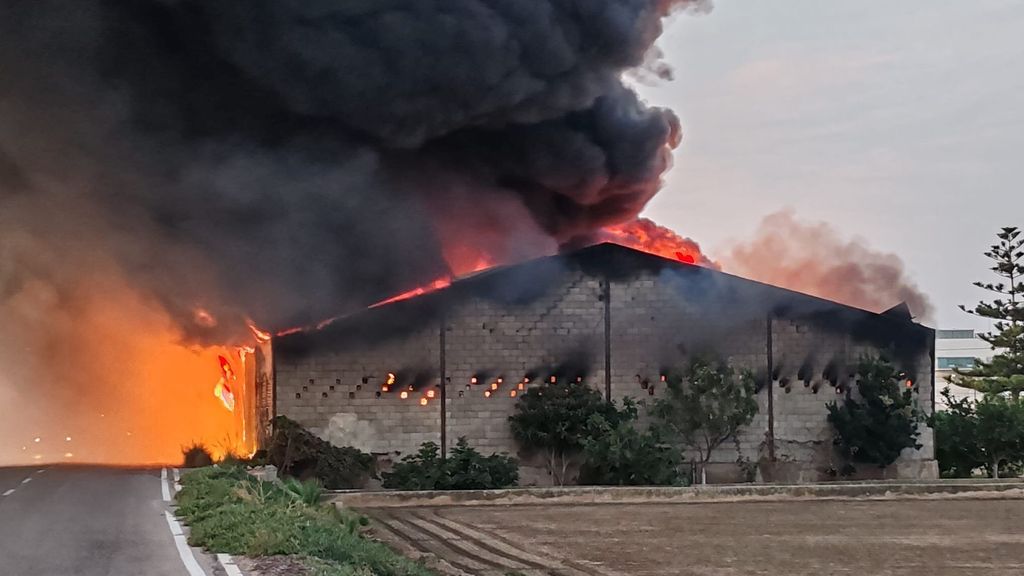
<point>228,511</point>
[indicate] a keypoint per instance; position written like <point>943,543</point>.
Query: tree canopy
<point>1005,371</point>
<point>705,406</point>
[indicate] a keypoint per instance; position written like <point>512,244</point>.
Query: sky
<point>898,123</point>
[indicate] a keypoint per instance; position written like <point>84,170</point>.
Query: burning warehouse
<point>229,164</point>
<point>451,362</point>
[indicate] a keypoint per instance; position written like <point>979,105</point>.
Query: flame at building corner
<point>223,388</point>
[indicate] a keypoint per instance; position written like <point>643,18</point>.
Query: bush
<point>232,459</point>
<point>956,438</point>
<point>196,456</point>
<point>309,492</point>
<point>297,452</point>
<point>1000,434</point>
<point>464,469</point>
<point>230,512</point>
<point>876,427</point>
<point>620,455</point>
<point>557,419</point>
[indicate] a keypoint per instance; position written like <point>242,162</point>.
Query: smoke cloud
<point>196,164</point>
<point>813,258</point>
<point>287,158</point>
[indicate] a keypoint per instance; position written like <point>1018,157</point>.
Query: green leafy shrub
<point>464,469</point>
<point>232,459</point>
<point>956,438</point>
<point>297,452</point>
<point>230,512</point>
<point>196,456</point>
<point>557,419</point>
<point>621,455</point>
<point>704,407</point>
<point>882,422</point>
<point>309,492</point>
<point>467,469</point>
<point>1000,434</point>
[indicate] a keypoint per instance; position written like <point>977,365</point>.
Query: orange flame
<point>438,284</point>
<point>261,336</point>
<point>223,388</point>
<point>643,234</point>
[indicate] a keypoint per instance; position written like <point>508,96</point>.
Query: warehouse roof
<point>528,280</point>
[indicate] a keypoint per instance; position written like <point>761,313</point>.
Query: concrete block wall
<point>563,330</point>
<point>344,385</point>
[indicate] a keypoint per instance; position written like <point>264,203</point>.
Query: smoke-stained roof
<point>521,283</point>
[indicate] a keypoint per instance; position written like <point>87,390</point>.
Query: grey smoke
<point>290,159</point>
<point>814,258</point>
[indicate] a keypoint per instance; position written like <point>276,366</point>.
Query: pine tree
<point>1005,371</point>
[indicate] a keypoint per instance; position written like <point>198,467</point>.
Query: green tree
<point>956,438</point>
<point>622,455</point>
<point>875,426</point>
<point>1000,432</point>
<point>704,407</point>
<point>1005,371</point>
<point>557,419</point>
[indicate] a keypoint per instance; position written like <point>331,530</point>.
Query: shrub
<point>877,426</point>
<point>229,512</point>
<point>297,452</point>
<point>621,455</point>
<point>705,407</point>
<point>420,471</point>
<point>467,469</point>
<point>464,469</point>
<point>956,438</point>
<point>1000,433</point>
<point>232,459</point>
<point>196,456</point>
<point>557,419</point>
<point>308,492</point>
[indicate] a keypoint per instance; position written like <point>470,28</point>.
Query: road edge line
<point>165,493</point>
<point>184,550</point>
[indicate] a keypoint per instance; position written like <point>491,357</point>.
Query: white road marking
<point>164,492</point>
<point>184,550</point>
<point>26,480</point>
<point>229,565</point>
<point>9,492</point>
<point>41,471</point>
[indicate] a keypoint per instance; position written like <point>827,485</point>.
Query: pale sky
<point>898,122</point>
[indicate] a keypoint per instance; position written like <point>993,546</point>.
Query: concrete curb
<point>966,489</point>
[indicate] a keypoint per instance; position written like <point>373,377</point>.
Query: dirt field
<point>895,538</point>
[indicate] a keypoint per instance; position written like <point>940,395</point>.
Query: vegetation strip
<point>230,512</point>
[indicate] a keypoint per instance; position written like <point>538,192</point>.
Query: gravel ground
<point>893,538</point>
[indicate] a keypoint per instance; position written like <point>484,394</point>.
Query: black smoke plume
<point>287,159</point>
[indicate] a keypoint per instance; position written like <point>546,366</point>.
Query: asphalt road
<point>77,521</point>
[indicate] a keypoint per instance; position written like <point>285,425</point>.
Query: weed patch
<point>228,511</point>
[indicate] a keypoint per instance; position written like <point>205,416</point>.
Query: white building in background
<point>957,349</point>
